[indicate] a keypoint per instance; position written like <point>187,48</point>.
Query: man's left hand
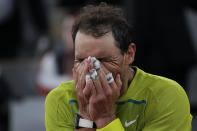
<point>103,98</point>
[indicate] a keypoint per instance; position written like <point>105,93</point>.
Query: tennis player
<point>107,93</point>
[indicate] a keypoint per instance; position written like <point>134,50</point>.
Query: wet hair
<point>98,20</point>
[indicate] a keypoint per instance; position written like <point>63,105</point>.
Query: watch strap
<point>83,123</point>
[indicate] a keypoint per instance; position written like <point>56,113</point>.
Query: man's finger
<point>105,85</point>
<point>98,86</point>
<point>80,68</point>
<point>110,78</point>
<point>96,81</point>
<point>88,88</point>
<point>103,79</point>
<point>93,90</point>
<point>83,73</point>
<point>118,81</point>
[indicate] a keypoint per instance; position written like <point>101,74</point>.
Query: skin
<point>96,98</point>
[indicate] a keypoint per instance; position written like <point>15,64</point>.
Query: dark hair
<point>101,19</point>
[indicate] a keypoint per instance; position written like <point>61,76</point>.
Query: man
<point>108,94</point>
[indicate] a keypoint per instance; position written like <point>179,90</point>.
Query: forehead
<point>87,45</point>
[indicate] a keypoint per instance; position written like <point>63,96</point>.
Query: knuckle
<point>98,99</point>
<point>86,93</point>
<point>117,91</point>
<point>101,98</point>
<point>106,85</point>
<point>93,102</point>
<point>80,96</point>
<point>108,93</point>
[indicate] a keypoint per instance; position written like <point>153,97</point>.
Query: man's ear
<point>130,54</point>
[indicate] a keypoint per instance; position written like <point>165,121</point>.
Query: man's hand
<point>79,73</point>
<point>103,97</point>
<point>96,98</point>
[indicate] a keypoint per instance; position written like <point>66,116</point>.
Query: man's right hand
<point>79,73</point>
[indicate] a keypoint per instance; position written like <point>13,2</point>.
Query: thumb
<point>118,81</point>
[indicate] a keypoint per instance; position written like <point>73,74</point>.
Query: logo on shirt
<point>127,124</point>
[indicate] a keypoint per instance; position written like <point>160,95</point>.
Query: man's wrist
<point>80,122</point>
<point>84,115</point>
<point>102,122</point>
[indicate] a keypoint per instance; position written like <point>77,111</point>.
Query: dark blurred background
<point>36,50</point>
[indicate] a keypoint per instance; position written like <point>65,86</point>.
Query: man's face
<point>102,48</point>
